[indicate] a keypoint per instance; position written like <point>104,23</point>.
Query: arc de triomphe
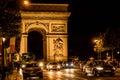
<point>51,21</point>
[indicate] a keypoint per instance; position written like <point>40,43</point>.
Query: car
<point>99,68</point>
<point>82,65</point>
<point>61,62</point>
<point>68,64</point>
<point>53,66</point>
<point>32,69</point>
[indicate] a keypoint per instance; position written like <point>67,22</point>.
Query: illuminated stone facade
<point>51,21</point>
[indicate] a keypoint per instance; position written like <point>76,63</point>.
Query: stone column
<point>44,49</point>
<point>23,44</point>
<point>48,49</point>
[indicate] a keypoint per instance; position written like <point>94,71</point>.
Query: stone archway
<point>51,21</point>
<point>35,44</point>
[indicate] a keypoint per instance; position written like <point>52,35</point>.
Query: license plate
<point>107,70</point>
<point>32,74</point>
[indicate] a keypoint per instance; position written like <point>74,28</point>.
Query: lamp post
<point>3,55</point>
<point>3,60</point>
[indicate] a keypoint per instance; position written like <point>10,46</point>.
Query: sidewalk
<point>14,76</point>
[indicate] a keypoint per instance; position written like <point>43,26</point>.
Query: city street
<point>65,74</point>
<point>75,37</point>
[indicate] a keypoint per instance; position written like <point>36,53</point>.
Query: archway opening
<point>35,44</point>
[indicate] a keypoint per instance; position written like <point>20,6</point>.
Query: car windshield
<point>54,63</point>
<point>32,65</point>
<point>99,63</point>
<point>68,62</point>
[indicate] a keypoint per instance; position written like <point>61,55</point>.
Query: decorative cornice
<point>45,15</point>
<point>45,18</point>
<point>46,7</point>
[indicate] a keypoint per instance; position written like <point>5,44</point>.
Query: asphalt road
<point>65,74</point>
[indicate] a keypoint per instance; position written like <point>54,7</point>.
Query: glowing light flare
<point>70,75</point>
<point>67,70</point>
<point>41,64</point>
<point>58,72</point>
<point>3,39</point>
<point>20,71</point>
<point>23,66</point>
<point>96,40</point>
<point>70,70</point>
<point>99,68</point>
<point>50,73</point>
<point>26,2</point>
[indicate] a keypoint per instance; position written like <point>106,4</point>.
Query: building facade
<point>51,21</point>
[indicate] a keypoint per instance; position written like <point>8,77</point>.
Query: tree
<point>99,45</point>
<point>10,19</point>
<point>111,39</point>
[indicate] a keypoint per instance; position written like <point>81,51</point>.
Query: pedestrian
<point>18,65</point>
<point>10,67</point>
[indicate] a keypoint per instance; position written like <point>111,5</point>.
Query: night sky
<point>88,19</point>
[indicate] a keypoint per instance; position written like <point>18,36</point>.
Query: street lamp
<point>3,55</point>
<point>3,41</point>
<point>3,58</point>
<point>26,2</point>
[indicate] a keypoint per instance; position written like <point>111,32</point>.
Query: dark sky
<point>88,18</point>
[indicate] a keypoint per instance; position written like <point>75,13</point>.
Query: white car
<point>53,66</point>
<point>99,67</point>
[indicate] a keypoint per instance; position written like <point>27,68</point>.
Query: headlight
<point>66,64</point>
<point>40,64</point>
<point>99,68</point>
<point>50,66</point>
<point>72,64</point>
<point>23,66</point>
<point>114,68</point>
<point>58,66</point>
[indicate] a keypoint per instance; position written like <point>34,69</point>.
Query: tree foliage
<point>99,44</point>
<point>112,37</point>
<point>10,18</point>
